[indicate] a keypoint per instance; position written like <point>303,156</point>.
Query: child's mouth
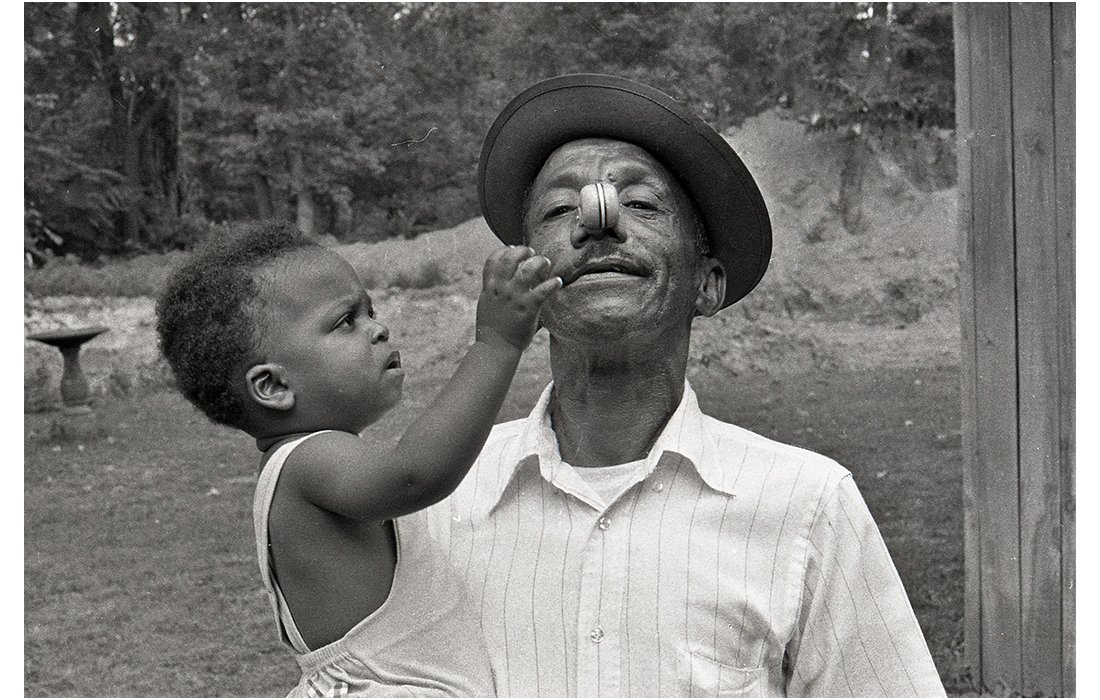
<point>393,361</point>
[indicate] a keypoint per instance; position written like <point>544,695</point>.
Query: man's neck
<point>609,408</point>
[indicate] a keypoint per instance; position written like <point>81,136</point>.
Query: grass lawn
<point>140,576</point>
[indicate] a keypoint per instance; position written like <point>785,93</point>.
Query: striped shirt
<point>734,565</point>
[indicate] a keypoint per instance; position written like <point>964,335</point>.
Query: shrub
<point>178,233</point>
<point>422,275</point>
<point>143,275</point>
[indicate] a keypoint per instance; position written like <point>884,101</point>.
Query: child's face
<point>335,355</point>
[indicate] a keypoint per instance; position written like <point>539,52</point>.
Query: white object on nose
<point>599,206</point>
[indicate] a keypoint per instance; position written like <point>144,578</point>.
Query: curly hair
<point>207,318</point>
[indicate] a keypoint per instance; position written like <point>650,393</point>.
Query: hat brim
<point>557,111</point>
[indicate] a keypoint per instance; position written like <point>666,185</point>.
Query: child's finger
<point>533,270</point>
<point>488,270</point>
<point>543,291</point>
<point>497,259</point>
<point>510,259</point>
<point>501,263</point>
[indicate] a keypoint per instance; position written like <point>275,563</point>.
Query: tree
<point>71,194</point>
<point>291,102</point>
<point>871,71</point>
<point>144,121</point>
<point>140,48</point>
<point>101,126</point>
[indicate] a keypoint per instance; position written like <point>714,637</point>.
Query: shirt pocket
<point>703,677</point>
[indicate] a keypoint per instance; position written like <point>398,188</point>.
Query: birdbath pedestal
<point>75,396</point>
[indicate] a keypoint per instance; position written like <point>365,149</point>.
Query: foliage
<point>62,194</point>
<point>139,276</point>
<point>100,138</point>
<point>874,65</point>
<point>289,101</point>
<point>364,120</point>
<point>424,275</point>
<point>144,275</point>
<point>69,200</point>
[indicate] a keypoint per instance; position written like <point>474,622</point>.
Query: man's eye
<point>556,211</point>
<point>641,204</point>
<point>346,321</point>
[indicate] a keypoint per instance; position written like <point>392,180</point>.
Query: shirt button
<point>658,487</point>
<point>596,635</point>
<point>603,523</point>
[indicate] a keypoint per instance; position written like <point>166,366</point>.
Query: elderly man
<point>617,541</point>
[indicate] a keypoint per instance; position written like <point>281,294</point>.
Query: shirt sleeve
<point>856,634</point>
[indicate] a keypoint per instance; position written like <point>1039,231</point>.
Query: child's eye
<point>346,321</point>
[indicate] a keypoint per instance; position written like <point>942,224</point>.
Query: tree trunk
<point>169,148</point>
<point>143,135</point>
<point>307,209</point>
<point>261,193</point>
<point>342,214</point>
<point>155,131</point>
<point>879,48</point>
<point>96,32</point>
<point>851,182</point>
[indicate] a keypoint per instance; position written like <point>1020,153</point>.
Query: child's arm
<point>344,475</point>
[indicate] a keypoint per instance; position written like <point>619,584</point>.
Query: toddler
<point>275,335</point>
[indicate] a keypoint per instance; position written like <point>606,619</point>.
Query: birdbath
<point>75,396</point>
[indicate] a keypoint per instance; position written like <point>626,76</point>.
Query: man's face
<point>640,275</point>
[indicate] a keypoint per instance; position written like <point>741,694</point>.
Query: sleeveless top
<point>423,640</point>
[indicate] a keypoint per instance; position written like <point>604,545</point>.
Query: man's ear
<point>712,288</point>
<point>267,387</point>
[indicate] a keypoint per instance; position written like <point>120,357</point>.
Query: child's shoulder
<point>312,455</point>
<point>311,444</point>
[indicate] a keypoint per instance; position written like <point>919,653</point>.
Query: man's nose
<point>582,234</point>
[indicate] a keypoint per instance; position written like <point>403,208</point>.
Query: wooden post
<point>1064,34</point>
<point>1015,113</point>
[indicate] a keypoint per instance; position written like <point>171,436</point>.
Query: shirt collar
<point>684,437</point>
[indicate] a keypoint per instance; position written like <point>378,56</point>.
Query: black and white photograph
<point>533,349</point>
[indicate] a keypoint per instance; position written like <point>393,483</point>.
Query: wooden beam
<point>995,418</point>
<point>1064,28</point>
<point>1037,347</point>
<point>968,360</point>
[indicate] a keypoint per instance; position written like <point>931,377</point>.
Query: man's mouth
<point>605,268</point>
<point>393,361</point>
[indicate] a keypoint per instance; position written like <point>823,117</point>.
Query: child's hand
<point>515,284</point>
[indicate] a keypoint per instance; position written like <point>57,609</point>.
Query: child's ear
<point>268,388</point>
<point>712,288</point>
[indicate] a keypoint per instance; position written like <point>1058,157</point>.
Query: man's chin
<point>603,321</point>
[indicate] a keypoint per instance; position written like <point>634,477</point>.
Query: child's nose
<point>379,333</point>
